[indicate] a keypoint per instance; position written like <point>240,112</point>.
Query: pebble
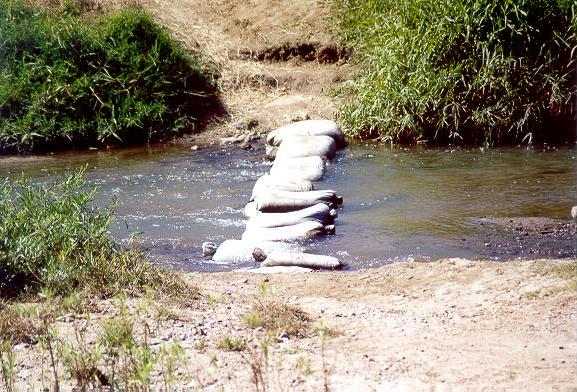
<point>574,212</point>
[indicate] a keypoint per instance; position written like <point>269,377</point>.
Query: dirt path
<point>447,325</point>
<point>453,324</point>
<point>300,62</point>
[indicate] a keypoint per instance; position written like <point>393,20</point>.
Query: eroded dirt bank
<point>447,325</point>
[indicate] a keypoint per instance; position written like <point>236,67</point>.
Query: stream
<point>414,204</point>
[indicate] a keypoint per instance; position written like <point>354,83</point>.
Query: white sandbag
<point>237,251</point>
<point>267,182</point>
<point>306,168</point>
<point>307,146</point>
<point>275,259</point>
<point>299,232</point>
<point>308,128</point>
<point>284,201</point>
<point>250,210</point>
<point>318,212</point>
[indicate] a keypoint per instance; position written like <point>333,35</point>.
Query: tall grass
<point>469,71</point>
<point>68,80</point>
<point>52,238</point>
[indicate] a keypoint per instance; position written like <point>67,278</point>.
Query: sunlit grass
<point>72,81</point>
<point>463,71</point>
<point>53,238</point>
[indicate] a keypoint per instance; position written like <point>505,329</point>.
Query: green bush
<point>52,238</point>
<point>466,71</point>
<point>68,80</point>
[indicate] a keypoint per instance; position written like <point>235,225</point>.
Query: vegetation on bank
<point>53,239</point>
<point>69,79</point>
<point>461,71</point>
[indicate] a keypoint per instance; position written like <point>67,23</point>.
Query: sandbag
<point>299,232</point>
<point>237,251</point>
<point>275,259</point>
<point>307,146</point>
<point>306,168</point>
<point>270,152</point>
<point>318,212</point>
<point>250,210</point>
<point>267,182</point>
<point>284,201</point>
<point>308,128</point>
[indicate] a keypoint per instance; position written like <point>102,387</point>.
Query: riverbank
<point>454,323</point>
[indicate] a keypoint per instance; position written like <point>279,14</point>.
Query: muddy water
<point>400,204</point>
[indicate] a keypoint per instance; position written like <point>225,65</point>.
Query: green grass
<point>72,80</point>
<point>53,239</point>
<point>461,71</point>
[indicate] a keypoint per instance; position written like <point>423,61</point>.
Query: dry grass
<point>17,325</point>
<point>251,89</point>
<point>277,316</point>
<point>231,343</point>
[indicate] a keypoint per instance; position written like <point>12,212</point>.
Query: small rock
<point>246,125</point>
<point>194,148</point>
<point>208,249</point>
<point>574,212</point>
<point>258,255</point>
<point>283,337</point>
<point>301,115</point>
<point>232,140</point>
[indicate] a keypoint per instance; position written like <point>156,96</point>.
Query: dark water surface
<point>400,204</point>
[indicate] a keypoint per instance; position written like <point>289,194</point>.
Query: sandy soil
<point>269,92</point>
<point>447,325</point>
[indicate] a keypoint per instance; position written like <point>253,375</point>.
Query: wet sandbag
<point>285,259</point>
<point>267,182</point>
<point>306,168</point>
<point>284,201</point>
<point>237,251</point>
<point>308,128</point>
<point>299,232</point>
<point>270,152</point>
<point>318,212</point>
<point>307,146</point>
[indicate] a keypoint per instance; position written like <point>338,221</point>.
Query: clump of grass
<point>231,343</point>
<point>67,80</point>
<point>53,238</point>
<point>277,316</point>
<point>17,324</point>
<point>461,71</point>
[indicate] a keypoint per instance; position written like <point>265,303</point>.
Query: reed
<point>461,71</point>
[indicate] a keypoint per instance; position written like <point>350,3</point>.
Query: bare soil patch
<point>451,324</point>
<point>274,58</point>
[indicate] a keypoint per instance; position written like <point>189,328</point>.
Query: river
<point>400,204</point>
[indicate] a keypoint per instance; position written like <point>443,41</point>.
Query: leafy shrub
<point>52,238</point>
<point>73,81</point>
<point>471,71</point>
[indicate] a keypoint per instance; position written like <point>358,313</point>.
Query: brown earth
<point>274,57</point>
<point>448,325</point>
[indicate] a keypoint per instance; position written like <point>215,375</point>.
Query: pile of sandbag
<point>285,209</point>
